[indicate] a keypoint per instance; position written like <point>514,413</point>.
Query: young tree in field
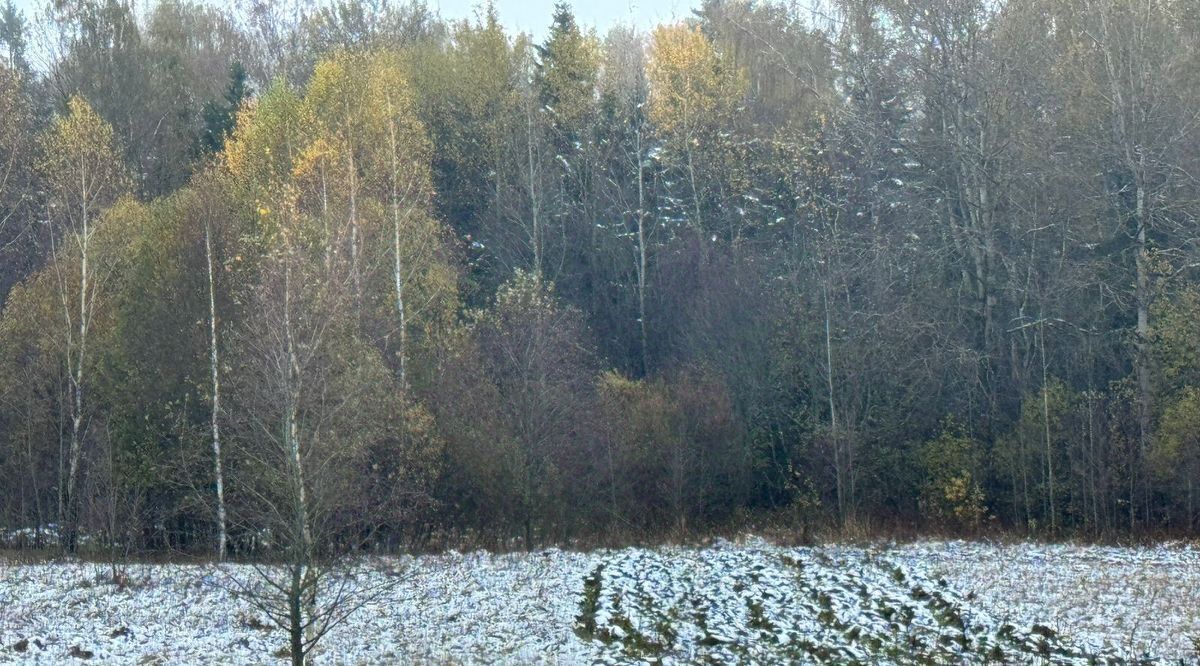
<point>312,397</point>
<point>315,396</point>
<point>84,178</point>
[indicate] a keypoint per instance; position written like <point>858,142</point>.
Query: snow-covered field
<point>749,602</point>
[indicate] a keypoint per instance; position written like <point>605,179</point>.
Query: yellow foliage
<point>691,87</point>
<point>269,135</point>
<point>340,171</point>
<point>951,492</point>
<point>81,164</point>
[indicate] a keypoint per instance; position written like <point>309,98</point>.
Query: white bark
<point>292,387</point>
<point>398,263</point>
<point>76,351</point>
<point>214,369</point>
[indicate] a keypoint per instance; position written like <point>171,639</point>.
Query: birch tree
<point>214,215</point>
<point>413,241</point>
<point>313,394</point>
<point>365,172</point>
<point>84,178</point>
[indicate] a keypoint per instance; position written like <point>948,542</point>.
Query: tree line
<point>323,275</point>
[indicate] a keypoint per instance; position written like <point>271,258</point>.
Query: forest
<point>353,274</point>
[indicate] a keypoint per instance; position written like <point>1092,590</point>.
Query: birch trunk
<point>214,370</point>
<point>292,424</point>
<point>83,240</point>
<point>398,264</point>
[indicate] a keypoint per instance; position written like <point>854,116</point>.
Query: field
<point>745,602</point>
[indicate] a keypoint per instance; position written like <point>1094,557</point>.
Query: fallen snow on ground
<point>750,602</point>
<point>1140,601</point>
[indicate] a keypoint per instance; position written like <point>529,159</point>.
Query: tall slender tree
<point>84,178</point>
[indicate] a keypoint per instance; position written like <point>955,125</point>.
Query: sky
<point>533,16</point>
